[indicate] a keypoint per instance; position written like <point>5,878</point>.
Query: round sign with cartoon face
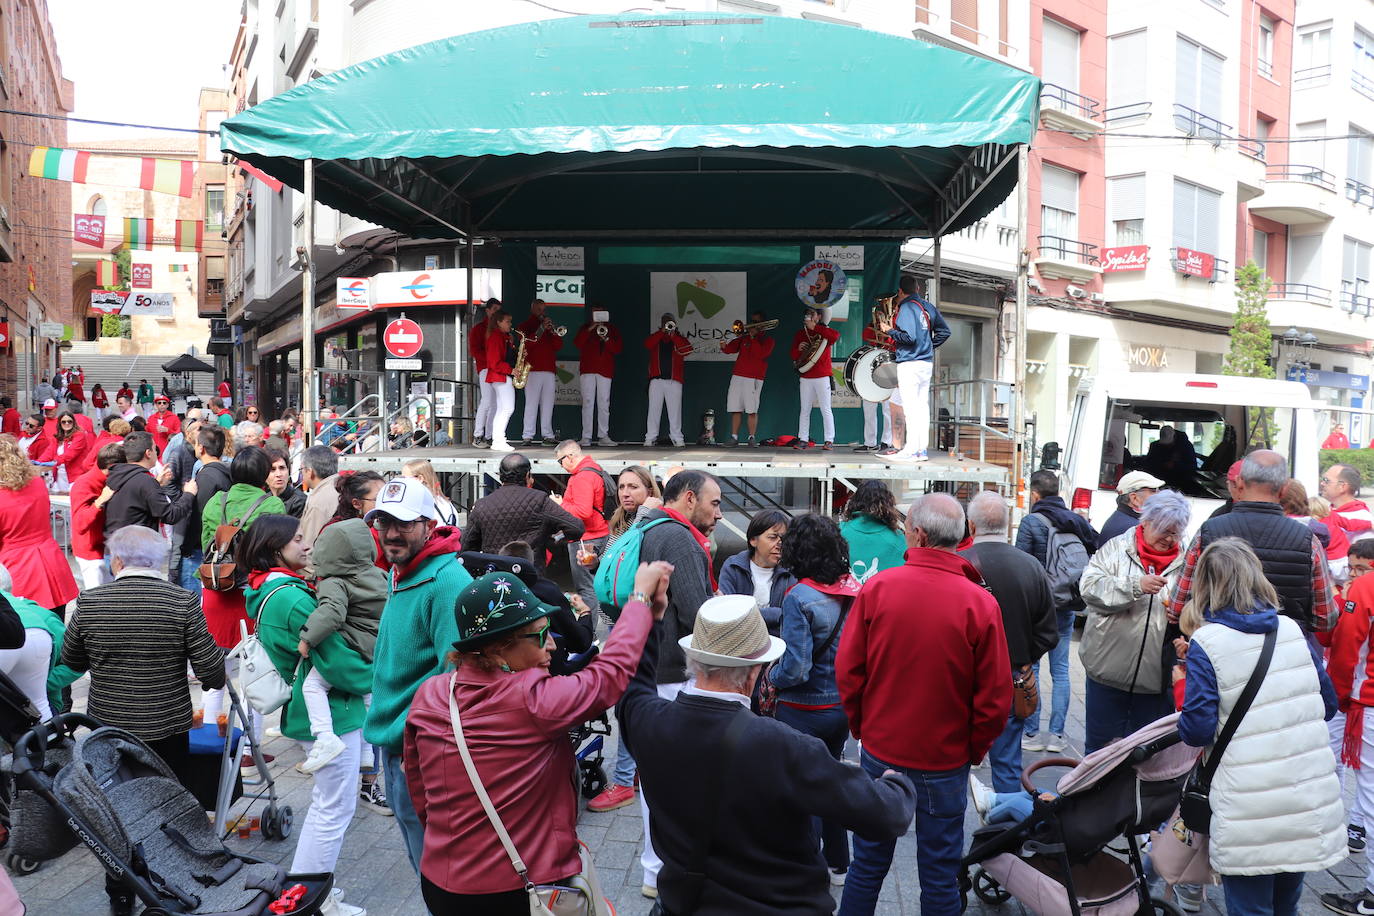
<point>821,284</point>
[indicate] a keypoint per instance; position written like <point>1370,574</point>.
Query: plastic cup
<point>223,723</point>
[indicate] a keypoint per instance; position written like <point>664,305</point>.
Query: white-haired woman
<point>1276,802</point>
<point>1123,643</point>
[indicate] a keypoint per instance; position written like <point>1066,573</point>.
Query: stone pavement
<point>374,871</point>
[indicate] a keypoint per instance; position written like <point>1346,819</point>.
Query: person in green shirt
<point>873,528</point>
<point>145,397</point>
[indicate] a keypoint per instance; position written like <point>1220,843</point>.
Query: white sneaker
<point>333,905</point>
<point>649,890</point>
<point>502,446</point>
<point>837,877</point>
<point>648,443</point>
<point>585,443</point>
<point>326,748</point>
<point>1032,742</point>
<point>606,442</point>
<point>1056,744</point>
<point>272,731</point>
<point>981,795</point>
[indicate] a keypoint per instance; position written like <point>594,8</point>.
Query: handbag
<point>220,572</point>
<point>1179,855</point>
<point>768,692</point>
<point>264,689</point>
<point>582,895</point>
<point>1196,805</point>
<point>1025,692</point>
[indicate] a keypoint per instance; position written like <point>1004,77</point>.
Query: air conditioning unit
<point>1076,292</point>
<point>1098,298</point>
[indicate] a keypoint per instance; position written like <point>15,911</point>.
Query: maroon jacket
<point>922,665</point>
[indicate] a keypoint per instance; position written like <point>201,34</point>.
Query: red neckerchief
<point>699,538</point>
<point>846,587</point>
<point>1148,558</point>
<point>258,576</point>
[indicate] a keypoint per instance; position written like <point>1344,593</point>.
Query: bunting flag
<point>273,184</point>
<point>169,176</point>
<point>190,234</point>
<point>140,276</point>
<point>178,268</point>
<point>106,273</point>
<point>138,233</point>
<point>59,164</point>
<point>88,229</point>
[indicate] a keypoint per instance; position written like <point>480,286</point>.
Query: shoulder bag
<point>220,572</point>
<point>1196,805</point>
<point>1025,689</point>
<point>581,896</point>
<point>264,689</point>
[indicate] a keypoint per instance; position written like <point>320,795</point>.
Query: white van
<point>1120,422</point>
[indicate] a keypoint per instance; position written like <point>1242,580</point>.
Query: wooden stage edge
<point>842,463</point>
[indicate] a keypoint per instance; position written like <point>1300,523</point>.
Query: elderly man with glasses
<point>417,629</point>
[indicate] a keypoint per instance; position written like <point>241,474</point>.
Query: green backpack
<point>615,576</point>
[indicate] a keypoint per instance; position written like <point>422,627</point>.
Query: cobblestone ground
<point>374,872</point>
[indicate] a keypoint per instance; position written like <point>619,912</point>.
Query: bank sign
<point>561,289</point>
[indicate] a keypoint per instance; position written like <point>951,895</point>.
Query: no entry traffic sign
<point>403,338</point>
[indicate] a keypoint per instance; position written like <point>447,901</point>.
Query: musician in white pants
<point>597,344</point>
<point>542,342</point>
<point>816,379</point>
<point>667,349</point>
<point>477,349</point>
<point>500,356</point>
<point>918,330</point>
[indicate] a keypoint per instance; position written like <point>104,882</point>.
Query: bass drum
<point>867,372</point>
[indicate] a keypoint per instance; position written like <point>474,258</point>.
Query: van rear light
<point>1082,498</point>
<point>1199,384</point>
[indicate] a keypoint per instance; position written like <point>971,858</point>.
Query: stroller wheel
<point>593,781</point>
<point>1165,907</point>
<point>269,823</point>
<point>988,890</point>
<point>284,820</point>
<point>22,866</point>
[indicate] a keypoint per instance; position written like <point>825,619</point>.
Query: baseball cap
<point>404,499</point>
<point>50,404</point>
<point>162,399</point>
<point>1138,480</point>
<point>1233,473</point>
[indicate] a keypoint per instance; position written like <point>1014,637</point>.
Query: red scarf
<point>847,587</point>
<point>699,538</point>
<point>1158,562</point>
<point>258,576</point>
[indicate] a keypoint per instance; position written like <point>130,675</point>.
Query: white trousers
<point>27,666</point>
<point>100,415</point>
<point>1364,784</point>
<point>871,423</point>
<point>815,392</point>
<point>664,392</point>
<point>648,859</point>
<point>539,404</point>
<point>92,572</point>
<point>913,381</point>
<point>596,392</point>
<point>332,804</point>
<point>503,393</point>
<point>315,692</point>
<point>486,405</point>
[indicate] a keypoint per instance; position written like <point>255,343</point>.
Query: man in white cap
<point>1131,492</point>
<point>416,631</point>
<point>732,795</point>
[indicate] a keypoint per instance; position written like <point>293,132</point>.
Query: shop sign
<point>116,302</point>
<point>51,329</point>
<point>88,229</point>
<point>1194,263</point>
<point>1324,379</point>
<point>704,304</point>
<point>1142,356</point>
<point>419,288</point>
<point>1126,257</point>
<point>141,276</point>
<point>353,293</point>
<point>821,283</point>
<point>549,257</point>
<point>4,335</point>
<point>849,257</point>
<point>561,289</point>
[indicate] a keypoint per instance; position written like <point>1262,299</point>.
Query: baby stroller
<point>33,833</point>
<point>149,833</point>
<point>1055,862</point>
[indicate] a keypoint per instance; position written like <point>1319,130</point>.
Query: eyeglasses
<point>538,636</point>
<point>383,522</point>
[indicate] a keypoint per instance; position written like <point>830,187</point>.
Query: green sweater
<point>241,497</point>
<point>279,629</point>
<point>36,617</point>
<point>873,547</point>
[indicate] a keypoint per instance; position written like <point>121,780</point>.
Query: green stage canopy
<point>686,124</point>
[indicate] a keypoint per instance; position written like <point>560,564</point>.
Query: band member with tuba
<point>501,349</point>
<point>891,408</point>
<point>597,342</point>
<point>667,348</point>
<point>746,381</point>
<point>917,331</point>
<point>477,349</point>
<point>815,339</point>
<point>542,342</point>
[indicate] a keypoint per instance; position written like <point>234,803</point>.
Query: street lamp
<point>1295,351</point>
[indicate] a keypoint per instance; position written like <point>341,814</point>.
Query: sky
<point>141,61</point>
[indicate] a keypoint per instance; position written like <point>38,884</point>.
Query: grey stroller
<point>149,833</point>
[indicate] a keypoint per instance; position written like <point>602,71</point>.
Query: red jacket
<point>926,684</point>
<point>99,399</point>
<point>1336,440</point>
<point>104,439</point>
<point>597,356</point>
<point>871,338</point>
<point>12,423</point>
<point>752,361</point>
<point>163,425</point>
<point>585,497</point>
<point>681,346</point>
<point>542,348</point>
<point>88,522</point>
<point>1351,663</point>
<point>822,367</point>
<point>125,392</point>
<point>78,455</point>
<point>477,344</point>
<point>42,448</point>
<point>498,369</point>
<point>85,422</point>
<point>1354,516</point>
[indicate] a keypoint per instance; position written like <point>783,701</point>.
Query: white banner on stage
<point>703,303</point>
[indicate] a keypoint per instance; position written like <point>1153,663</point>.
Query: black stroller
<point>1056,861</point>
<point>32,831</point>
<point>148,832</point>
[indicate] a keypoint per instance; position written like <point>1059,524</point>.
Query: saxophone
<point>521,373</point>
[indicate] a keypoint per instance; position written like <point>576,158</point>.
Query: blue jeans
<point>941,797</point>
<point>1262,895</point>
<point>1010,807</point>
<point>398,797</point>
<point>1005,757</point>
<point>187,574</point>
<point>1111,713</point>
<point>831,726</point>
<point>1059,673</point>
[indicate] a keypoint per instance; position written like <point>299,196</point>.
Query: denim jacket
<point>808,616</point>
<point>735,579</point>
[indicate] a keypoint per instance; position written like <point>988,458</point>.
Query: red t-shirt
<point>822,367</point>
<point>752,361</point>
<point>597,356</point>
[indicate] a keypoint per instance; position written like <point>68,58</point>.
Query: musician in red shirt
<point>477,349</point>
<point>667,348</point>
<point>746,380</point>
<point>597,343</point>
<point>500,365</point>
<point>815,380</point>
<point>893,432</point>
<point>542,344</point>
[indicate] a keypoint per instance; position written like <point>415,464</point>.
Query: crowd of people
<point>921,636</point>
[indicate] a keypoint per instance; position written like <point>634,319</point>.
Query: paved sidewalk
<point>374,872</point>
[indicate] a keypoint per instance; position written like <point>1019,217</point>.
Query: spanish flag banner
<point>59,164</point>
<point>138,233</point>
<point>106,273</point>
<point>169,176</point>
<point>190,234</point>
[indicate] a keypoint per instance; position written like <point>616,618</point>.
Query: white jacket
<point>1123,637</point>
<point>1276,803</point>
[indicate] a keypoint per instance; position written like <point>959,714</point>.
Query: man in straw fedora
<point>732,795</point>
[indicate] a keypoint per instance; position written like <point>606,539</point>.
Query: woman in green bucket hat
<point>514,718</point>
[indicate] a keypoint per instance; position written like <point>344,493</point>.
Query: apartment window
<point>1311,152</point>
<point>214,207</point>
<point>1197,88</point>
<point>1126,197</point>
<point>1259,251</point>
<point>1359,165</point>
<point>1355,267</point>
<point>1059,209</point>
<point>1197,217</point>
<point>1304,259</point>
<point>963,15</point>
<point>1127,92</point>
<point>1362,67</point>
<point>1265,51</point>
<point>1312,56</point>
<point>1059,60</point>
<point>98,206</point>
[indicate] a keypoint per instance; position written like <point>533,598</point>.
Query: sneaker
<point>865,448</point>
<point>828,446</point>
<point>753,443</point>
<point>333,905</point>
<point>272,731</point>
<point>802,444</point>
<point>502,446</point>
<point>480,443</point>
<point>732,442</point>
<point>549,440</point>
<point>922,455</point>
<point>1032,743</point>
<point>648,890</point>
<point>248,769</point>
<point>326,748</point>
<point>678,443</point>
<point>371,795</point>
<point>606,442</point>
<point>585,443</point>
<point>649,443</point>
<point>1190,897</point>
<point>981,795</point>
<point>612,797</point>
<point>1056,744</point>
<point>1355,838</point>
<point>889,452</point>
<point>837,876</point>
<point>1360,903</point>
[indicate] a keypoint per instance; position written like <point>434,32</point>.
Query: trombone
<point>739,328</point>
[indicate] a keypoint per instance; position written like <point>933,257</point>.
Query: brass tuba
<point>521,373</point>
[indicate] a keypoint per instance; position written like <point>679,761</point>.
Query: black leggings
<point>446,903</point>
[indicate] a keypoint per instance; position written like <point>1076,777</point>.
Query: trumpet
<point>557,330</point>
<point>602,331</point>
<point>670,326</point>
<point>740,328</point>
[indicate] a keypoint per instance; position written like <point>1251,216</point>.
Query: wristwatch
<point>640,596</point>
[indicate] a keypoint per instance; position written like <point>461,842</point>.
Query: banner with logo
<point>1194,263</point>
<point>567,383</point>
<point>141,276</point>
<point>88,229</point>
<point>550,257</point>
<point>1126,257</point>
<point>418,288</point>
<point>116,302</point>
<point>567,290</point>
<point>703,303</point>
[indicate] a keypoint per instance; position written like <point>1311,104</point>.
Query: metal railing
<point>1359,192</point>
<point>1062,249</point>
<point>1252,147</point>
<point>1312,77</point>
<point>1075,103</point>
<point>1362,83</point>
<point>1196,124</point>
<point>970,404</point>
<point>1306,292</point>
<point>1356,304</point>
<point>1307,174</point>
<point>1127,112</point>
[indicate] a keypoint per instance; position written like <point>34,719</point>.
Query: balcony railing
<point>1362,83</point>
<point>1127,112</point>
<point>1266,67</point>
<point>1196,124</point>
<point>1077,104</point>
<point>1359,192</point>
<point>1309,174</point>
<point>1356,304</point>
<point>1304,291</point>
<point>1059,248</point>
<point>1312,77</point>
<point>1252,147</point>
